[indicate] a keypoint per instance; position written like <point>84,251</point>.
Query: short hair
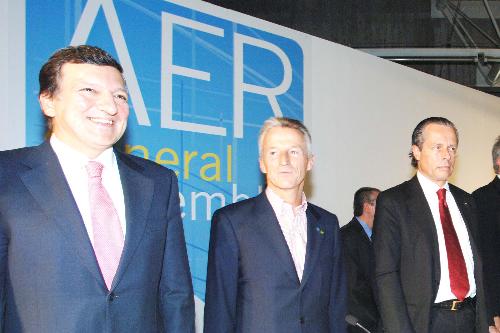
<point>417,138</point>
<point>362,196</point>
<point>495,154</point>
<point>50,73</point>
<point>285,123</point>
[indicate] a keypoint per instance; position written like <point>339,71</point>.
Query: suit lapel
<point>421,214</point>
<point>315,235</point>
<point>47,184</point>
<point>138,195</point>
<point>268,225</point>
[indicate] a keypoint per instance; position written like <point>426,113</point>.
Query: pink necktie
<point>459,280</point>
<point>108,234</point>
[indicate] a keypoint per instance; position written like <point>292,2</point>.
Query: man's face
<point>370,206</point>
<point>89,110</point>
<point>437,156</point>
<point>285,159</point>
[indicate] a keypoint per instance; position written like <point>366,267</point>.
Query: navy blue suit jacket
<point>252,284</point>
<point>49,276</point>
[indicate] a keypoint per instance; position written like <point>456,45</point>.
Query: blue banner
<point>200,88</point>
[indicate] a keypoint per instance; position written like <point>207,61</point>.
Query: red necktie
<point>459,280</point>
<point>107,230</point>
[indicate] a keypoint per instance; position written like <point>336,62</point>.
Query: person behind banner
<point>488,204</point>
<point>358,257</point>
<point>427,269</point>
<point>91,239</point>
<point>274,261</point>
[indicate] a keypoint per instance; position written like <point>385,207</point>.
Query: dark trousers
<point>447,321</point>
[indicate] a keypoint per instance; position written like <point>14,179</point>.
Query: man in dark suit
<point>274,262</point>
<point>427,269</point>
<point>358,257</point>
<point>488,204</point>
<point>91,239</point>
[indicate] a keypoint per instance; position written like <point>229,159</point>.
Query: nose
<point>445,153</point>
<point>106,103</point>
<point>284,158</point>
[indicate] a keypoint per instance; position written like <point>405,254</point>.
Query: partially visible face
<point>285,159</point>
<point>373,203</point>
<point>89,110</point>
<point>436,159</point>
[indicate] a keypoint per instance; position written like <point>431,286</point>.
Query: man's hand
<point>496,328</point>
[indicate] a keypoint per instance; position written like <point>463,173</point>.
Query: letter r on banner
<point>240,87</point>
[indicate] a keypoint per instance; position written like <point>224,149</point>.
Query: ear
<point>47,105</point>
<point>416,152</point>
<point>310,162</point>
<point>262,166</point>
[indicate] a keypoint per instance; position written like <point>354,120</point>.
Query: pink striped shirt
<point>293,224</point>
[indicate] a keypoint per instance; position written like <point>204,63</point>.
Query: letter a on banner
<point>81,35</point>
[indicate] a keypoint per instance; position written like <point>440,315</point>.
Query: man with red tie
<point>427,269</point>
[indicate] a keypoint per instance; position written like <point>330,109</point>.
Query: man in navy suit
<point>91,239</point>
<point>274,262</point>
<point>358,257</point>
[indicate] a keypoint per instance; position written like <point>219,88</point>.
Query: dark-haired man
<point>427,269</point>
<point>91,239</point>
<point>358,257</point>
<point>488,204</point>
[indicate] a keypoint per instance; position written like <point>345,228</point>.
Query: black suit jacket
<point>407,267</point>
<point>358,258</point>
<point>252,284</point>
<point>488,205</point>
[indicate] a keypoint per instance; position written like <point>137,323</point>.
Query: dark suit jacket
<point>358,259</point>
<point>49,277</point>
<point>407,267</point>
<point>488,205</point>
<point>252,284</point>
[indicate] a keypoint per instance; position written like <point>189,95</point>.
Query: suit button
<point>111,297</point>
<point>301,320</point>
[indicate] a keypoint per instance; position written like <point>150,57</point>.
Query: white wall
<point>364,111</point>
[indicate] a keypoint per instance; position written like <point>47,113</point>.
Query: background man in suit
<point>488,204</point>
<point>274,262</point>
<point>358,258</point>
<point>427,269</point>
<point>91,239</point>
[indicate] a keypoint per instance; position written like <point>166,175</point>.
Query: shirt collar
<point>366,228</point>
<point>72,157</point>
<point>280,206</point>
<point>428,185</point>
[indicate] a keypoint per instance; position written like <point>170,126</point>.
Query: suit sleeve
<point>338,288</point>
<point>387,252</point>
<point>222,277</point>
<point>176,290</point>
<point>351,264</point>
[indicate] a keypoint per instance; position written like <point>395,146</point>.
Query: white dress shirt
<point>293,224</point>
<point>73,165</point>
<point>430,189</point>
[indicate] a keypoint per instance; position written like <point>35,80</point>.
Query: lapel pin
<point>321,231</point>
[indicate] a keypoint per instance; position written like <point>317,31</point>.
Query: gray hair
<point>285,123</point>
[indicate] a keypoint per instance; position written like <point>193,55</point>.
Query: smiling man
<point>274,260</point>
<point>427,269</point>
<point>91,239</point>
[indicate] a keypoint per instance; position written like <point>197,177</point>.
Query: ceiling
<point>455,40</point>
